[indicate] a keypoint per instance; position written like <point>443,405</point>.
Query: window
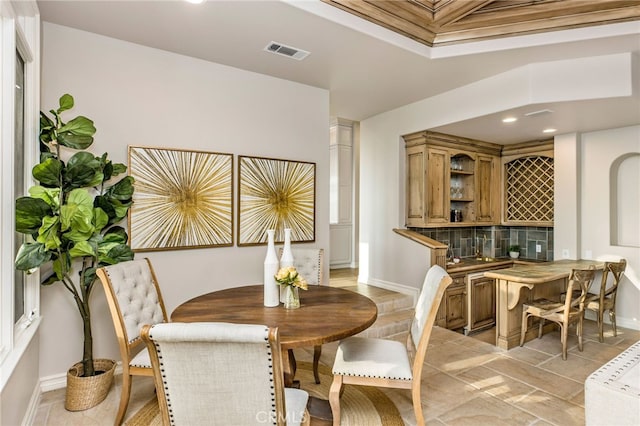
<point>18,178</point>
<point>19,127</point>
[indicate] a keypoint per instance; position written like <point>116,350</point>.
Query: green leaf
<point>89,276</point>
<point>81,249</point>
<point>121,190</point>
<point>49,232</point>
<point>100,219</point>
<point>47,129</point>
<point>51,196</point>
<point>121,211</point>
<point>80,197</point>
<point>104,203</point>
<point>83,170</point>
<point>48,172</point>
<point>29,214</point>
<point>66,102</point>
<point>116,234</point>
<point>78,235</point>
<point>74,141</point>
<point>118,253</point>
<point>80,126</point>
<point>61,267</point>
<point>119,168</point>
<point>107,170</point>
<point>31,255</point>
<point>77,222</point>
<point>77,133</point>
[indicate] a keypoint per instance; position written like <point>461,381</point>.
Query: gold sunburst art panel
<point>275,194</point>
<point>182,199</point>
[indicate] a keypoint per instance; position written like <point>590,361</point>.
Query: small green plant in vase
<point>514,251</point>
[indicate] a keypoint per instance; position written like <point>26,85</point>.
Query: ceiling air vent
<point>288,51</point>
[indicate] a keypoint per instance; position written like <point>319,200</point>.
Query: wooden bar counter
<point>541,280</point>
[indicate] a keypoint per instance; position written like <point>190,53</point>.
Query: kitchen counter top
<point>542,273</point>
<point>528,282</point>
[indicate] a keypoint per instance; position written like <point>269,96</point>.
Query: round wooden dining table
<point>326,314</point>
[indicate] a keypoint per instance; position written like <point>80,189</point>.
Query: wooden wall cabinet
<point>528,179</point>
<point>446,173</point>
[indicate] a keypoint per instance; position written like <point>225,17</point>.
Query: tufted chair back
<point>213,373</point>
<point>134,300</point>
<point>137,296</point>
<point>309,263</point>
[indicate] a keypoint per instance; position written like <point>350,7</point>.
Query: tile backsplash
<point>494,241</point>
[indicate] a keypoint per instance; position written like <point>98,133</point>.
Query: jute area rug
<point>360,405</point>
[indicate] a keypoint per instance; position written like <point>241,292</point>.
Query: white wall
<point>598,151</point>
<point>142,96</point>
<point>386,257</point>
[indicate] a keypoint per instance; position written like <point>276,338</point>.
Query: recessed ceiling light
<point>549,130</point>
<point>509,120</point>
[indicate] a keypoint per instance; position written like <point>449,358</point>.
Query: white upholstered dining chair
<point>389,363</point>
<point>134,300</point>
<point>309,262</point>
<point>213,373</point>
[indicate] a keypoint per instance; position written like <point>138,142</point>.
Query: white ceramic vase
<point>286,259</point>
<point>271,266</point>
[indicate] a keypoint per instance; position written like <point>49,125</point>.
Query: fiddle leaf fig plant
<point>72,214</point>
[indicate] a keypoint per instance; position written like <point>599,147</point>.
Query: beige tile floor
<point>466,380</point>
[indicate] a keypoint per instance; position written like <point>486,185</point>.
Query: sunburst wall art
<point>275,194</point>
<point>182,199</point>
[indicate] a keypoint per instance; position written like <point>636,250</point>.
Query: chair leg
<point>601,325</point>
<point>612,317</point>
<point>564,329</point>
<point>334,398</point>
<point>317,351</point>
<point>523,329</point>
<point>579,333</point>
<point>292,360</point>
<point>417,404</point>
<point>540,328</point>
<point>124,398</point>
<point>306,420</point>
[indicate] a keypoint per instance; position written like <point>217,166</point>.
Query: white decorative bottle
<point>286,259</point>
<point>271,266</point>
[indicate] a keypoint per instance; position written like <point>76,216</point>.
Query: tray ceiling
<point>442,22</point>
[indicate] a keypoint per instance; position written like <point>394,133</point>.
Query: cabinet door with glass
<point>462,187</point>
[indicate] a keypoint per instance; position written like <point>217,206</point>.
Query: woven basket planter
<point>86,392</point>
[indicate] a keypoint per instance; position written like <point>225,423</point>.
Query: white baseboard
<point>341,266</point>
<point>59,381</point>
<point>630,323</point>
<point>399,288</point>
<point>32,408</point>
